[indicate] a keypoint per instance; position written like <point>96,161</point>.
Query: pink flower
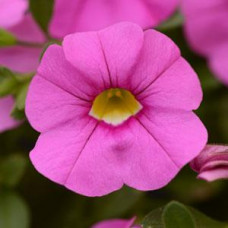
<point>21,24</point>
<point>212,163</point>
<point>117,223</point>
<point>114,107</point>
<point>6,122</point>
<point>13,17</point>
<point>200,17</point>
<point>81,15</point>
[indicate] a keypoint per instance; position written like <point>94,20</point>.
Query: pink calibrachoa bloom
<point>88,15</point>
<point>6,122</point>
<point>212,163</point>
<point>114,107</point>
<point>116,223</point>
<point>11,13</point>
<point>200,17</point>
<point>13,17</point>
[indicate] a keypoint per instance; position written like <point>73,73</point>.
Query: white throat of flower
<point>114,106</point>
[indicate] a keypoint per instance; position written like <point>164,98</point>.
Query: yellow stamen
<point>118,94</point>
<point>114,106</point>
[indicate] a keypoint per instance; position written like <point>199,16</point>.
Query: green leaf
<point>177,215</point>
<point>12,169</point>
<point>21,95</point>
<point>8,82</point>
<point>7,38</point>
<point>16,85</point>
<point>46,46</point>
<point>13,211</point>
<point>202,221</point>
<point>6,72</point>
<point>175,21</point>
<point>115,205</point>
<point>110,206</point>
<point>17,114</point>
<point>42,12</point>
<point>153,219</point>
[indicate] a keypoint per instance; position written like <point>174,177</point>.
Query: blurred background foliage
<point>27,199</point>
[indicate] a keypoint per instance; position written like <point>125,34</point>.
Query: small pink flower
<point>117,223</point>
<point>13,17</point>
<point>6,122</point>
<point>20,58</point>
<point>90,15</point>
<point>200,17</point>
<point>212,163</point>
<point>114,107</point>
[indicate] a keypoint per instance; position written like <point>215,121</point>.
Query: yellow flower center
<point>114,106</point>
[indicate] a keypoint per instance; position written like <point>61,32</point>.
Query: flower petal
<point>83,51</point>
<point>57,150</point>
<point>106,56</point>
<point>56,69</point>
<point>212,163</point>
<point>177,88</point>
<point>124,155</point>
<point>158,54</point>
<point>7,122</point>
<point>200,18</point>
<point>53,106</point>
<point>115,156</point>
<point>115,223</point>
<point>99,169</point>
<point>73,159</point>
<point>180,133</point>
<point>28,30</point>
<point>122,45</point>
<point>12,12</point>
<point>147,166</point>
<point>218,63</point>
<point>79,16</point>
<point>214,174</point>
<point>193,7</point>
<point>209,153</point>
<point>20,59</point>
